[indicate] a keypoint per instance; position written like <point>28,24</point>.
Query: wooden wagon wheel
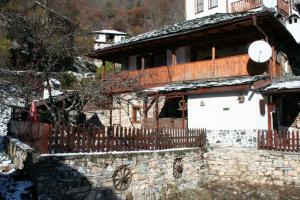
<point>122,178</point>
<point>177,168</point>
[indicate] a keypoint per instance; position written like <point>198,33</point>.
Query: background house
<point>104,38</point>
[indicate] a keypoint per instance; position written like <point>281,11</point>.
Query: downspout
<point>254,18</point>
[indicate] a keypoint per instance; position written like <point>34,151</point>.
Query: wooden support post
<point>270,108</point>
<point>156,111</point>
<point>103,69</point>
<point>213,53</point>
<point>145,111</point>
<point>114,66</point>
<point>183,112</point>
<point>143,63</point>
<point>110,117</point>
<point>174,58</point>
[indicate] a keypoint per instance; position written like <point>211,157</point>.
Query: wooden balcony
<point>223,67</point>
<point>245,5</point>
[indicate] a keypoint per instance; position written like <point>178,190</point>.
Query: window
<point>295,20</point>
<point>110,38</point>
<point>136,114</point>
<point>199,6</point>
<point>290,21</point>
<point>213,4</point>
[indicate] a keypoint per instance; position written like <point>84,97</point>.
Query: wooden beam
<point>210,90</point>
<point>261,84</point>
<point>150,105</point>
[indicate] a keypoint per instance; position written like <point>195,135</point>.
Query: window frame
<point>210,6</point>
<point>196,6</point>
<point>134,117</point>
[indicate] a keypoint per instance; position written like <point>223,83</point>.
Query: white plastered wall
<point>223,111</point>
<point>222,7</point>
<point>293,25</point>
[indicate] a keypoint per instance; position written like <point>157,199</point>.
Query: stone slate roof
<point>287,82</point>
<point>186,26</point>
<point>207,83</point>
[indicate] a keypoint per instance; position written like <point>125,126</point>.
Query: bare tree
<point>50,52</point>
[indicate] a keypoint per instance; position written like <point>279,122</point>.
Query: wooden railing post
<point>47,129</point>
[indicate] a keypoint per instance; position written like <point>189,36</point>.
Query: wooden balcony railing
<point>245,5</point>
<point>219,68</point>
<point>283,6</point>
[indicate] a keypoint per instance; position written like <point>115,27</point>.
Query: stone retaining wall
<point>253,166</point>
<point>19,153</point>
<point>87,176</point>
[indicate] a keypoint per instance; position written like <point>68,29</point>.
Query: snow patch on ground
<point>4,118</point>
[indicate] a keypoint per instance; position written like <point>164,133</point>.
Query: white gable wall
<point>190,8</point>
<point>223,111</point>
<point>293,25</point>
<point>224,6</point>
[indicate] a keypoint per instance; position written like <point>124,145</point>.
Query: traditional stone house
<point>198,74</point>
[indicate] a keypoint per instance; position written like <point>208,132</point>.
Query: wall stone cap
<point>118,154</point>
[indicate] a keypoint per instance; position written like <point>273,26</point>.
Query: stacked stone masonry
<point>77,176</point>
<point>232,138</point>
<point>253,166</point>
<point>89,176</point>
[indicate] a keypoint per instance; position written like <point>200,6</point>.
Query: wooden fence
<point>279,140</point>
<point>73,139</point>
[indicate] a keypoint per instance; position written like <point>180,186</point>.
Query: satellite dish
<point>260,51</point>
<point>269,3</point>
